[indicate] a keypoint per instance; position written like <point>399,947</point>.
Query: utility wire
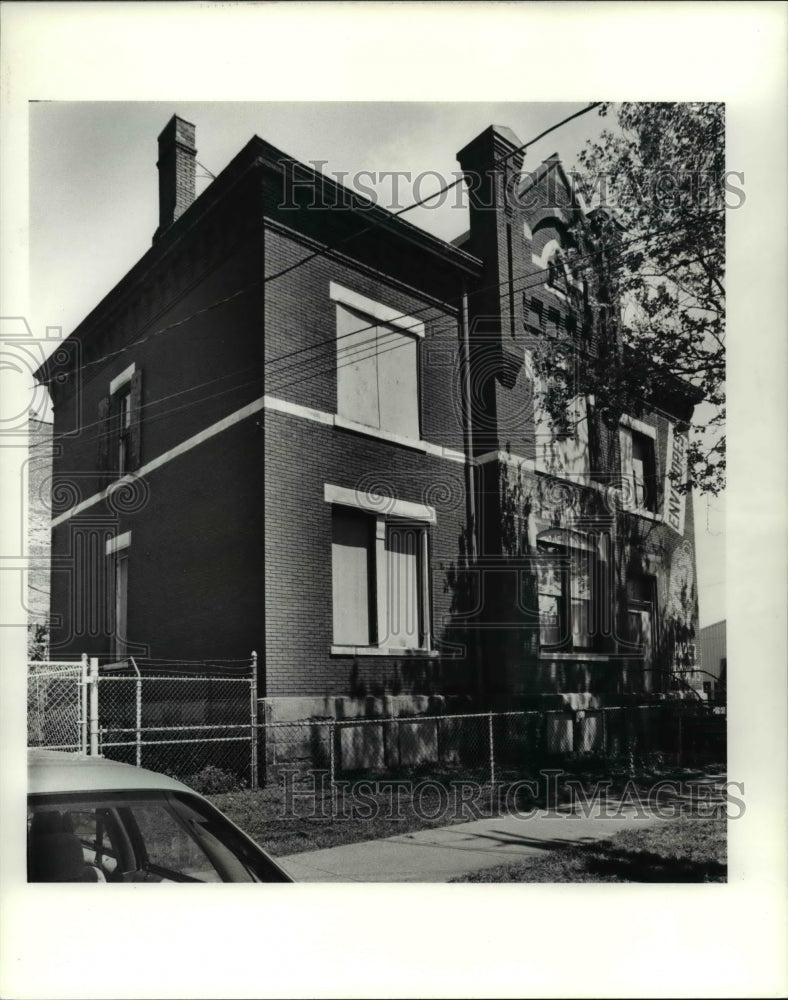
<point>214,305</point>
<point>422,201</point>
<point>575,265</point>
<point>353,352</point>
<point>327,249</point>
<point>547,131</point>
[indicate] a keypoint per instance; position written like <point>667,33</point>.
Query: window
<point>129,835</point>
<point>638,464</point>
<point>122,435</point>
<point>377,365</point>
<point>404,614</point>
<point>117,550</point>
<point>643,471</point>
<point>554,321</point>
<point>119,419</point>
<point>556,268</point>
<point>353,580</point>
<point>565,574</point>
<point>562,447</point>
<point>533,310</point>
<point>641,627</point>
<point>380,573</point>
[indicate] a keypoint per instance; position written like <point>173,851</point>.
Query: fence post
<point>94,707</point>
<point>83,694</point>
<point>492,748</point>
<point>40,710</point>
<point>253,720</point>
<point>138,716</point>
<point>332,766</point>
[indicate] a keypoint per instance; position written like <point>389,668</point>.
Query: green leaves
<point>661,266</point>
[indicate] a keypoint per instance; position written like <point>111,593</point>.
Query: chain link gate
<point>186,725</point>
<point>57,705</point>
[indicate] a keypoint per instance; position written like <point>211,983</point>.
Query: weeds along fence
<point>202,727</point>
<point>481,746</point>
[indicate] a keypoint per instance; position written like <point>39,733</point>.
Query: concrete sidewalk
<point>443,853</point>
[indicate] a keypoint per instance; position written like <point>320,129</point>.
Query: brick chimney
<point>176,171</point>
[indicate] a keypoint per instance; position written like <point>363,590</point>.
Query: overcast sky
<point>93,177</point>
<point>94,195</point>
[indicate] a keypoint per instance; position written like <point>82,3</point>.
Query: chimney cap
<point>183,129</point>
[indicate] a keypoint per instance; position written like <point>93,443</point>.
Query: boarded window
<point>121,587</point>
<point>402,557</point>
<point>562,448</point>
<point>377,374</point>
<point>351,560</point>
<point>379,581</point>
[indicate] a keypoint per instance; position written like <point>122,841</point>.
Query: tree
<point>655,246</point>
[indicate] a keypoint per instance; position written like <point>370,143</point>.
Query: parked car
<point>94,820</point>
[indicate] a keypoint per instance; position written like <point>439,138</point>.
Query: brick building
<point>303,426</point>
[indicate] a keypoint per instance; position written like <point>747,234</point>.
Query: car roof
<point>56,771</point>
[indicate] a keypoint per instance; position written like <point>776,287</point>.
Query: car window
<point>73,845</point>
<point>170,847</point>
<point>138,837</point>
<point>93,829</point>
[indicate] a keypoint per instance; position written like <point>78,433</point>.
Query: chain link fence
<point>479,746</point>
<point>57,708</point>
<point>204,729</point>
<point>199,728</point>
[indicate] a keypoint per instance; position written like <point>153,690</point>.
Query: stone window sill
<point>381,651</point>
<point>579,655</point>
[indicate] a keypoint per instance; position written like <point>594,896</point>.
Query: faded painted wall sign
<point>681,592</point>
<point>676,468</point>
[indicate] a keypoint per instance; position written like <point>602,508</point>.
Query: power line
<point>525,277</point>
<point>422,201</point>
<point>353,350</point>
<point>184,319</point>
<point>205,309</point>
<point>547,131</point>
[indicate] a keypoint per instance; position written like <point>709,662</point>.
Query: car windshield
<point>137,837</point>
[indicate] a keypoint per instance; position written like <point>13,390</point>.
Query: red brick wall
<point>195,560</point>
<point>300,320</point>
<point>300,458</point>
